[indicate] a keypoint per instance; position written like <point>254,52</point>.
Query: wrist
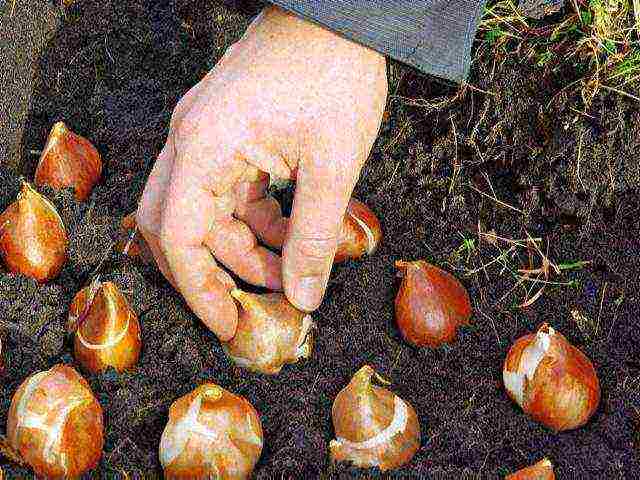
<point>287,26</point>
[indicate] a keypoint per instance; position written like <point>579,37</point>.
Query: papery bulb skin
<point>131,242</point>
<point>211,433</point>
<point>68,160</point>
<point>374,427</point>
<point>430,305</point>
<point>271,332</point>
<point>543,470</point>
<point>360,234</point>
<point>551,380</point>
<point>55,423</point>
<point>33,240</point>
<point>108,331</point>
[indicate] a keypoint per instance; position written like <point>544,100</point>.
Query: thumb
<point>323,190</point>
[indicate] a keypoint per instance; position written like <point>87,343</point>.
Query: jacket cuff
<point>435,36</point>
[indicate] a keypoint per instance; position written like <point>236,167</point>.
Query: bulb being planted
<point>551,380</point>
<point>374,427</point>
<point>107,332</point>
<point>55,423</point>
<point>360,234</point>
<point>270,333</point>
<point>33,240</point>
<point>68,160</point>
<point>211,433</point>
<point>431,304</point>
<point>543,470</point>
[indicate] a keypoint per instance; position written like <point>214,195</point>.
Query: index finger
<point>189,210</point>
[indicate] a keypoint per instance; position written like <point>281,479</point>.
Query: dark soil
<point>114,71</point>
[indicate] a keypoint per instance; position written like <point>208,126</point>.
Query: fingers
<point>323,190</point>
<point>233,244</point>
<point>151,205</point>
<point>149,214</point>
<point>190,209</point>
<point>262,213</point>
<point>265,218</point>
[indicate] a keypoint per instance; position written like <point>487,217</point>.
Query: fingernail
<point>307,292</point>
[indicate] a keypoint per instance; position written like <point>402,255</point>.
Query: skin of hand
<point>289,99</point>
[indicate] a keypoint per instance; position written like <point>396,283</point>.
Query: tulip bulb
<point>211,433</point>
<point>68,160</point>
<point>360,234</point>
<point>55,423</point>
<point>131,241</point>
<point>374,427</point>
<point>270,332</point>
<point>431,304</point>
<point>107,332</point>
<point>33,240</point>
<point>551,380</point>
<point>543,470</point>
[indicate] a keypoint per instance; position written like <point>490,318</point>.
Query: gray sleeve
<point>434,36</point>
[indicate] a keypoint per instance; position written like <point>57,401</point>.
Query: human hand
<point>290,99</point>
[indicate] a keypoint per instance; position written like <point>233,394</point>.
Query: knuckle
<point>316,250</point>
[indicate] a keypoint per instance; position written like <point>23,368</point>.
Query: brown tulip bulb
<point>543,470</point>
<point>374,427</point>
<point>431,304</point>
<point>107,332</point>
<point>55,423</point>
<point>551,380</point>
<point>211,433</point>
<point>68,160</point>
<point>33,240</point>
<point>361,232</point>
<point>270,332</point>
<point>131,242</point>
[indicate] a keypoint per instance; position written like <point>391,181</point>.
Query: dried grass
<point>600,37</point>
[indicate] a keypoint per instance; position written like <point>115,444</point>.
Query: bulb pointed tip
<point>59,128</point>
<point>211,392</point>
<point>238,294</point>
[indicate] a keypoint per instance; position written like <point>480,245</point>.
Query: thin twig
<point>621,92</point>
<point>532,299</point>
<point>579,158</point>
<point>545,282</point>
<point>500,202</point>
<point>492,324</point>
<point>497,259</point>
<point>519,242</point>
<point>615,316</point>
<point>478,89</point>
<point>456,165</point>
<point>604,289</point>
